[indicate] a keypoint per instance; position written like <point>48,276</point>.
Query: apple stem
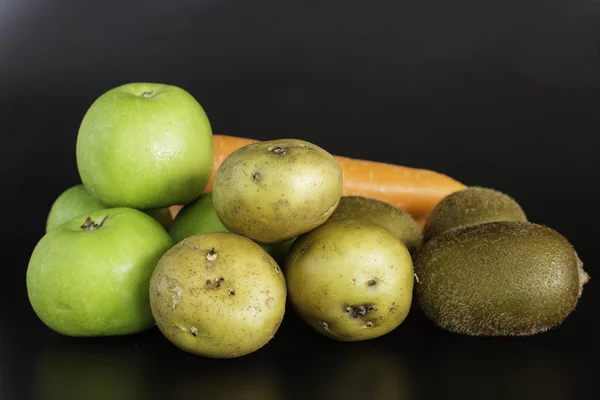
<point>90,225</point>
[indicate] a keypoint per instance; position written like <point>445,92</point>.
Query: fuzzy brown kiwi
<point>392,218</point>
<point>507,278</point>
<point>471,206</point>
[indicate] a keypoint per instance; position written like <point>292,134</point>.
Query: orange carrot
<point>174,210</point>
<point>416,191</point>
<point>421,222</point>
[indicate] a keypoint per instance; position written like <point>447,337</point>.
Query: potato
<point>272,191</point>
<point>199,216</point>
<point>218,295</point>
<point>350,279</point>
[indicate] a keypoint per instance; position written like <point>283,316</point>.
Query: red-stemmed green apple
<point>77,201</point>
<point>145,146</point>
<point>90,276</point>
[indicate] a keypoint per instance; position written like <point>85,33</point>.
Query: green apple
<point>71,203</point>
<point>145,146</point>
<point>197,217</point>
<point>77,201</point>
<point>200,217</point>
<point>90,276</point>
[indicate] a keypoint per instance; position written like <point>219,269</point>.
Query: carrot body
<point>224,145</point>
<point>174,210</point>
<point>421,222</point>
<point>416,191</point>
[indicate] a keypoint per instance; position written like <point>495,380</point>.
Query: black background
<point>503,94</point>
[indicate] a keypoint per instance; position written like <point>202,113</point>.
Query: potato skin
<point>350,279</point>
<point>275,190</point>
<point>224,307</point>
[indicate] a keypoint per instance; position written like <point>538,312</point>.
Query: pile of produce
<point>210,237</point>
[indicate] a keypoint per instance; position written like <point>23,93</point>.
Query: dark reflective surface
<point>499,94</point>
<point>71,369</point>
<point>415,361</point>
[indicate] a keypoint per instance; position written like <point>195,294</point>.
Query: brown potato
<point>350,279</point>
<point>275,190</point>
<point>218,295</point>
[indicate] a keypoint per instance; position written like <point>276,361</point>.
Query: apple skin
<point>71,203</point>
<point>197,217</point>
<point>96,283</point>
<point>77,201</point>
<point>145,146</point>
<point>200,217</point>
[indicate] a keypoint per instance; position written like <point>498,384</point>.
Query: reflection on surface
<point>192,378</point>
<point>508,369</point>
<point>227,386</point>
<point>3,373</point>
<point>70,368</point>
<point>360,370</point>
<point>413,362</point>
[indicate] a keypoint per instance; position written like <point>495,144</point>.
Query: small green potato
<point>275,190</point>
<point>350,279</point>
<point>218,295</point>
<point>200,217</point>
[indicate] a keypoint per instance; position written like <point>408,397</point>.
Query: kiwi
<point>506,278</point>
<point>471,206</point>
<point>392,218</point>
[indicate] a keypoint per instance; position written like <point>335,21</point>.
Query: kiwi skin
<point>392,218</point>
<point>471,206</point>
<point>507,278</point>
